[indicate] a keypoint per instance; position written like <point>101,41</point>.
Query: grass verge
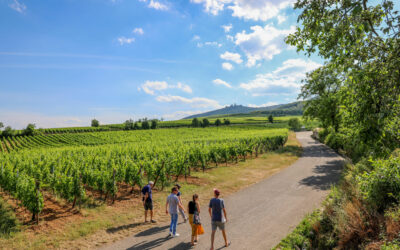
<point>105,224</point>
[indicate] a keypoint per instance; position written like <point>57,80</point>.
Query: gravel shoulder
<point>261,215</point>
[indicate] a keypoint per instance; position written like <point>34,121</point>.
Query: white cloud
<point>125,40</point>
<point>257,10</point>
<point>222,82</point>
<point>227,27</point>
<point>197,102</point>
<point>216,44</point>
<point>229,38</point>
<point>284,80</point>
<point>227,66</point>
<point>268,104</point>
<point>195,38</point>
<point>234,57</point>
<point>183,87</point>
<point>149,87</point>
<point>262,42</point>
<point>155,4</point>
<point>17,6</point>
<point>138,31</point>
<point>281,19</point>
<point>212,6</point>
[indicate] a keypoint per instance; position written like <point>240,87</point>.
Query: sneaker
<point>170,234</point>
<point>185,220</point>
<point>153,221</point>
<point>176,235</point>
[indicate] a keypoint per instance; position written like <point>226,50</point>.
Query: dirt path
<point>261,215</point>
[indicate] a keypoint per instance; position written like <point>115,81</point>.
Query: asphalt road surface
<point>262,214</point>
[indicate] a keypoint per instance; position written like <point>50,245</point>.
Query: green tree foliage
<point>205,123</point>
<point>30,129</point>
<point>95,123</point>
<point>136,126</point>
<point>196,123</point>
<point>321,90</point>
<point>129,124</point>
<point>1,125</point>
<point>217,122</point>
<point>227,122</point>
<point>8,221</point>
<point>153,124</point>
<point>294,124</point>
<point>271,119</point>
<point>8,131</point>
<point>360,40</point>
<point>145,124</point>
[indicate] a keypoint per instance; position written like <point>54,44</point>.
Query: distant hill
<point>294,108</point>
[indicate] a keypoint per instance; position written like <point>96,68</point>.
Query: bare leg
<point>151,215</point>
<point>145,215</point>
<point>224,235</point>
<point>212,239</point>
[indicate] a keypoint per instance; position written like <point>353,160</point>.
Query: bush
<point>30,129</point>
<point>205,123</point>
<point>95,123</point>
<point>381,187</point>
<point>227,122</point>
<point>153,124</point>
<point>196,123</point>
<point>8,131</point>
<point>294,124</point>
<point>8,222</point>
<point>145,125</point>
<point>128,125</point>
<point>218,122</point>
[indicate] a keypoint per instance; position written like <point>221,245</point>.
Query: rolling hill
<point>294,108</point>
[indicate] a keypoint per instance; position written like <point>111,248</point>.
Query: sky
<point>65,62</point>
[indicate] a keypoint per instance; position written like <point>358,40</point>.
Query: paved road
<point>262,214</point>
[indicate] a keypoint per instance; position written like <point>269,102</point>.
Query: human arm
<point>226,218</point>
<point>166,207</point>
<point>209,211</point>
<point>145,197</point>
<point>198,207</point>
<point>181,206</point>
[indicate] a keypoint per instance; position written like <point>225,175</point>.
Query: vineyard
<point>67,165</point>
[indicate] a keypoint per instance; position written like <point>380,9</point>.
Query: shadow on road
<point>316,149</point>
<point>151,231</point>
<point>116,229</point>
<point>325,175</point>
<point>149,245</point>
<point>182,246</point>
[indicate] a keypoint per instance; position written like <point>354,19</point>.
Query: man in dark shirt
<point>148,201</point>
<point>218,219</point>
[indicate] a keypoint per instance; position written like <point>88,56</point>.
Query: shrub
<point>8,131</point>
<point>381,187</point>
<point>218,122</point>
<point>294,124</point>
<point>196,123</point>
<point>205,123</point>
<point>145,125</point>
<point>153,124</point>
<point>95,123</point>
<point>227,122</point>
<point>30,129</point>
<point>8,222</point>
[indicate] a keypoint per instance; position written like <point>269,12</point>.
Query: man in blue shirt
<point>148,201</point>
<point>218,219</point>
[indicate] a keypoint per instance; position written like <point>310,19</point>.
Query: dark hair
<point>195,196</point>
<point>174,189</point>
<point>178,186</point>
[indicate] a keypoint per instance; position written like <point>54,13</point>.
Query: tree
<point>227,122</point>
<point>217,122</point>
<point>1,125</point>
<point>145,124</point>
<point>205,123</point>
<point>136,126</point>
<point>153,124</point>
<point>95,123</point>
<point>30,129</point>
<point>8,131</point>
<point>271,119</point>
<point>321,90</point>
<point>128,124</point>
<point>195,123</point>
<point>294,124</point>
<point>361,39</point>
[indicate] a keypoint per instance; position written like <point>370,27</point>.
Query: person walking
<point>218,220</point>
<point>147,200</point>
<point>180,200</point>
<point>194,217</point>
<point>171,207</point>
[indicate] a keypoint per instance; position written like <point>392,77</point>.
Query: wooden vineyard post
<point>38,202</point>
<point>114,194</point>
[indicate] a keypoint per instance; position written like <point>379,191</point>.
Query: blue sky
<point>65,62</point>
